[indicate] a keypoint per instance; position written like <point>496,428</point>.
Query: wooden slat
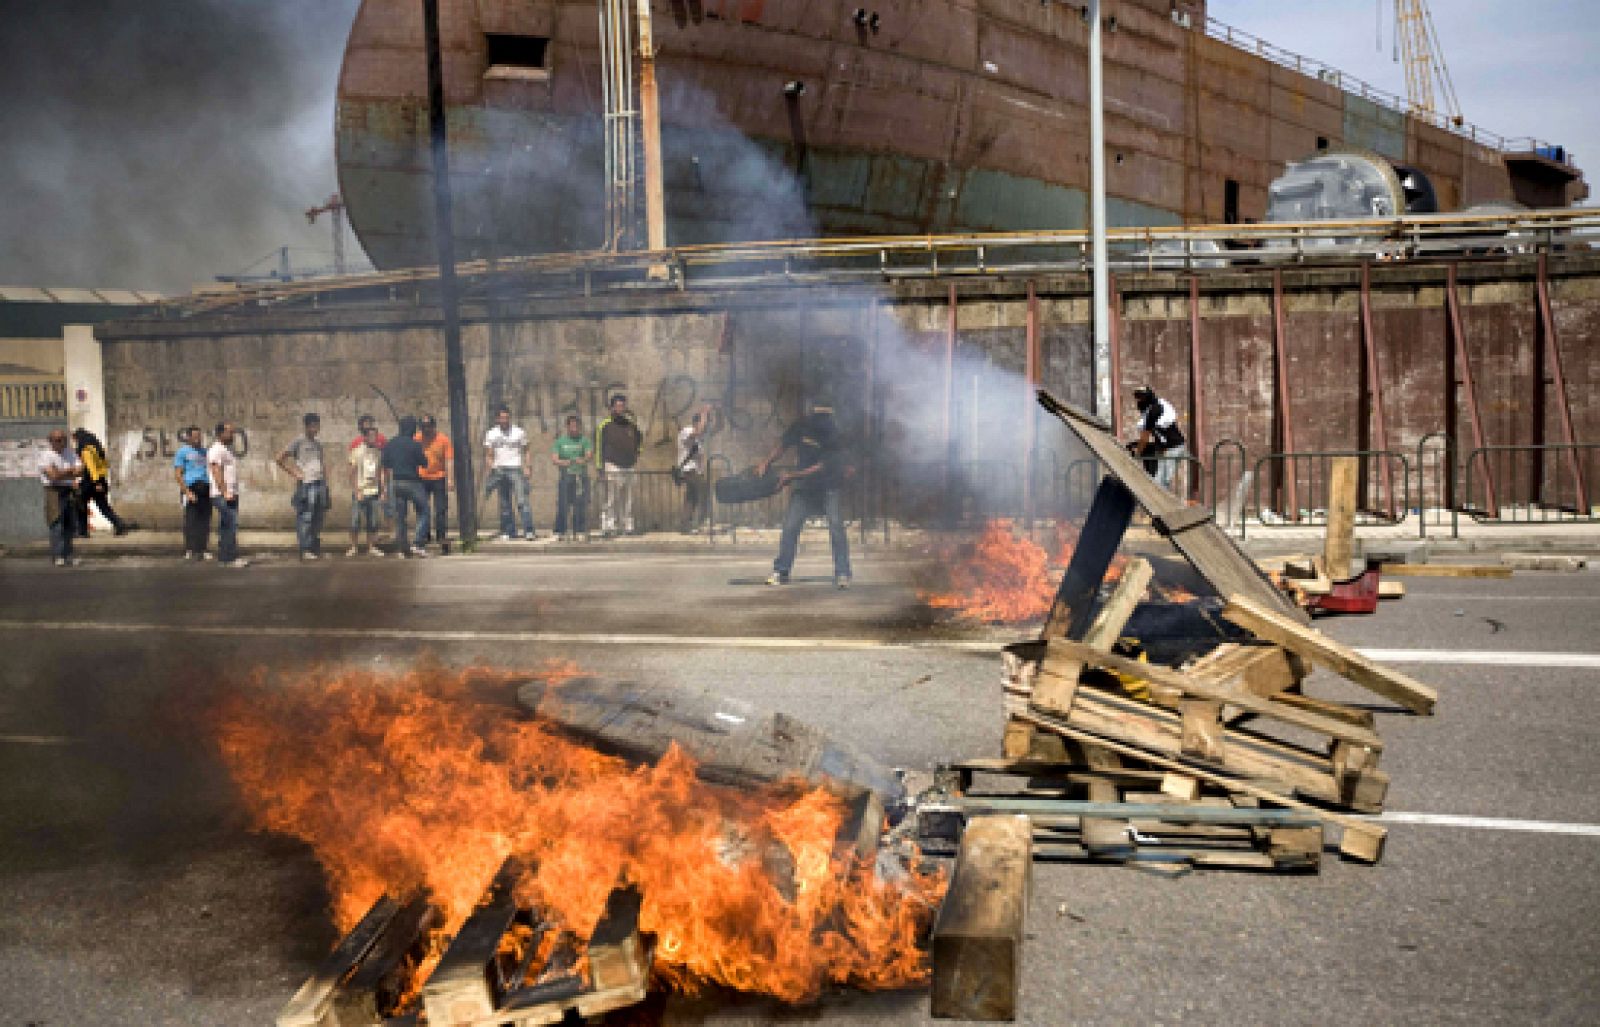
<point>977,941</point>
<point>1342,660</point>
<point>1339,544</point>
<point>467,983</point>
<point>1263,670</point>
<point>1446,570</point>
<point>1362,840</point>
<point>312,1005</point>
<point>365,998</point>
<point>1232,695</point>
<point>1113,617</point>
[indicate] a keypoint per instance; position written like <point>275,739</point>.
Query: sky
<point>154,144</point>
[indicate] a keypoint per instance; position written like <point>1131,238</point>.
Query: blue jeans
<point>61,514</point>
<point>435,511</point>
<point>407,495</point>
<point>227,529</point>
<point>804,505</point>
<point>310,504</point>
<point>365,510</point>
<point>572,503</point>
<point>512,485</point>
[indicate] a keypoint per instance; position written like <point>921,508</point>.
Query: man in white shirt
<point>692,468</point>
<point>224,466</point>
<point>59,469</point>
<point>1161,443</point>
<point>505,450</point>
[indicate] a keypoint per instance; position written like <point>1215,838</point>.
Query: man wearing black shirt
<point>1161,443</point>
<point>403,458</point>
<point>820,471</point>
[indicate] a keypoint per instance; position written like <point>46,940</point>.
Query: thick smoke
<point>155,145</point>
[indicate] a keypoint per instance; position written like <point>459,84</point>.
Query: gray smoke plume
<point>157,144</point>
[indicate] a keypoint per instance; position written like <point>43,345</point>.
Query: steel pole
<point>1103,385</point>
<point>655,216</point>
<point>444,237</point>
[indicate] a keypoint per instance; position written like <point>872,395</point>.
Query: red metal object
<point>1374,391</point>
<point>1552,358</point>
<point>1280,375</point>
<point>1462,375</point>
<point>1197,412</point>
<point>1358,595</point>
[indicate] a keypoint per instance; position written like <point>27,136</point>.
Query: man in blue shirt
<point>193,475</point>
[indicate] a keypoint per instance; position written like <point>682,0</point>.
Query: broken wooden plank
<point>1339,541</point>
<point>1197,688</point>
<point>312,1005</point>
<point>469,982</point>
<point>368,996</point>
<point>1108,834</point>
<point>1446,570</point>
<point>977,940</point>
<point>1076,597</point>
<point>1362,840</point>
<point>1263,670</point>
<point>1202,729</point>
<point>1113,616</point>
<point>1319,648</point>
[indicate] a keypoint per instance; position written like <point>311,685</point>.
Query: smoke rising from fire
<point>154,145</point>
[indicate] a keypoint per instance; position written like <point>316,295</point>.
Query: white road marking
<point>36,740</point>
<point>1485,658</point>
<point>1496,658</point>
<point>1490,823</point>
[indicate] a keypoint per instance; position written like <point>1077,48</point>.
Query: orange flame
<point>431,779</point>
<point>1001,578</point>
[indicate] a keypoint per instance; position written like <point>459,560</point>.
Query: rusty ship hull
<point>924,116</point>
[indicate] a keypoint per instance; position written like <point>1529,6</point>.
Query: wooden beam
<point>1113,617</point>
<point>312,1005</point>
<point>468,984</point>
<point>1339,545</point>
<point>1362,840</point>
<point>1263,670</point>
<point>1447,570</point>
<point>977,941</point>
<point>368,995</point>
<point>1315,646</point>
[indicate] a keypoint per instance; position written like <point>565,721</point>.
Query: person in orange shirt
<point>437,483</point>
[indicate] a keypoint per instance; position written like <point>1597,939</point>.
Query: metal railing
<point>32,401</point>
<point>1536,484</point>
<point>1306,475</point>
<point>1313,68</point>
<point>885,258</point>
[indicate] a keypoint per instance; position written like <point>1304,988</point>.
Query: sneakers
<point>506,538</point>
<point>67,561</point>
<point>777,579</point>
<point>208,556</point>
<point>841,582</point>
<point>236,563</point>
<point>353,551</point>
<point>188,554</point>
<point>419,553</point>
<point>375,551</point>
<point>308,556</point>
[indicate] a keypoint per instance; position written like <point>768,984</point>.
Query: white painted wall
<point>86,396</point>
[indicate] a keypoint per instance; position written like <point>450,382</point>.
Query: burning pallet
<point>502,967</point>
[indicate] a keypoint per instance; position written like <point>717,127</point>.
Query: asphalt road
<point>136,895</point>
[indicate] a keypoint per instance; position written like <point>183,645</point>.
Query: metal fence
<point>1292,488</point>
<point>1530,484</point>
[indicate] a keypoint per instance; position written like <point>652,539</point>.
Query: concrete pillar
<point>86,394</point>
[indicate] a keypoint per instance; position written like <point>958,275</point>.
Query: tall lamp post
<point>1097,220</point>
<point>444,238</point>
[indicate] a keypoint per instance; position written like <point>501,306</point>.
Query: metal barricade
<point>1438,506</point>
<point>1310,471</point>
<point>1530,484</point>
<point>1229,475</point>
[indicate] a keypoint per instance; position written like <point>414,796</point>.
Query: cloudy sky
<point>156,143</point>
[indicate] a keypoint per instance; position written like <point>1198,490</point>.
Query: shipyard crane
<point>334,207</point>
<point>1424,62</point>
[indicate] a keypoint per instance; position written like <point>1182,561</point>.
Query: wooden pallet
<point>1120,815</point>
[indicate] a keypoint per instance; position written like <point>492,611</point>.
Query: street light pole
<point>444,238</point>
<point>1097,219</point>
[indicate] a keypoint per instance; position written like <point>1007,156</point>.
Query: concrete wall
<point>759,354</point>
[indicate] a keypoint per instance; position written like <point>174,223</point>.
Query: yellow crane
<point>1424,61</point>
